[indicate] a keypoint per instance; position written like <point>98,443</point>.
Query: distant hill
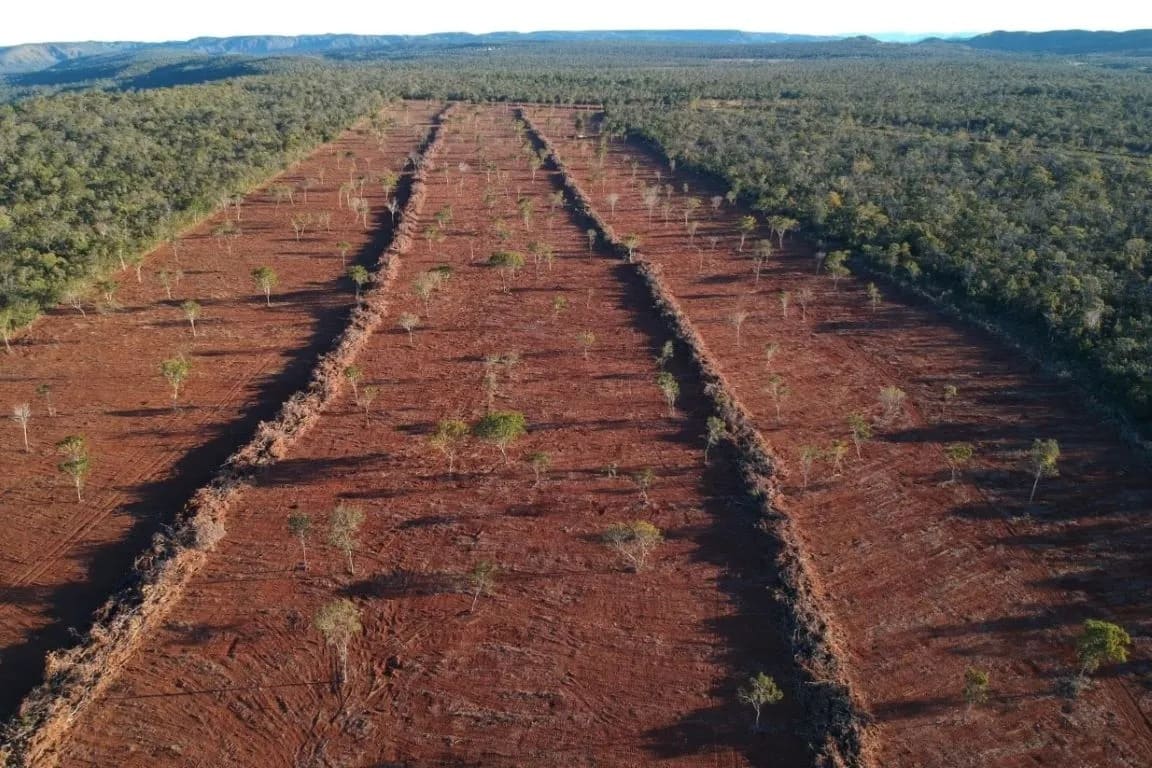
<point>33,57</point>
<point>1136,42</point>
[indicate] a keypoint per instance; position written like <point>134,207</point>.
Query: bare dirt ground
<point>571,659</point>
<point>61,559</point>
<point>921,579</point>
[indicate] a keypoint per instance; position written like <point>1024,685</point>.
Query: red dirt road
<point>571,660</point>
<point>61,559</point>
<point>922,580</point>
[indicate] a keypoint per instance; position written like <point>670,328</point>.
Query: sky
<point>75,20</point>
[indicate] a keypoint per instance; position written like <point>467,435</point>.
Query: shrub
<point>1100,642</point>
<point>446,438</point>
<point>76,462</point>
<point>761,689</point>
<point>501,428</point>
<point>634,542</point>
<point>339,622</point>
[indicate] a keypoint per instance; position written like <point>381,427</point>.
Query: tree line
<point>90,180</point>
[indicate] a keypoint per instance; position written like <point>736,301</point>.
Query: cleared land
<point>571,659</point>
<point>921,579</point>
<point>61,559</point>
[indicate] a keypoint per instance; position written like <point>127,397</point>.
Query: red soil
<point>61,559</point>
<point>572,660</point>
<point>921,579</point>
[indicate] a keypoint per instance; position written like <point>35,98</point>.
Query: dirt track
<point>61,558</point>
<point>922,579</point>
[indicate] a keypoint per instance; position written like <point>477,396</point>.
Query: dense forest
<point>1016,188</point>
<point>89,180</point>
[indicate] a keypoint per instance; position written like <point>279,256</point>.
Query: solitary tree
<point>364,400</point>
<point>559,304</point>
<point>21,414</point>
<point>345,526</point>
<point>785,300</point>
<point>631,242</point>
<point>804,297</point>
<point>891,403</point>
<point>1042,460</point>
<point>665,356</point>
<point>947,395</point>
<point>409,322</point>
<point>539,461</point>
<point>747,226</point>
<point>613,198</point>
<point>501,428</point>
<point>175,371</point>
<point>1100,642</point>
<point>167,280</point>
<point>634,542</point>
<point>353,374</point>
<point>542,255</point>
<point>265,279</point>
<point>644,479</point>
<point>76,463</point>
<point>344,246</point>
<point>359,277</point>
<point>715,431</point>
<point>299,525</point>
<point>525,206</point>
<point>300,224</point>
<point>482,577</point>
<point>874,296</point>
<point>770,351</point>
<point>780,226</point>
<point>975,687</point>
<point>760,257</point>
<point>761,689</point>
<point>836,264</point>
<point>587,340</point>
<point>339,622</point>
<point>861,430</point>
<point>778,391</point>
<point>836,456</point>
<point>447,437</point>
<point>192,313</point>
<point>737,319</point>
<point>957,455</point>
<point>509,263</point>
<point>808,456</point>
<point>670,389</point>
<point>590,233</point>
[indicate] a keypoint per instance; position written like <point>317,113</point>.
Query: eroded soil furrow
<point>922,578</point>
<point>62,559</point>
<point>570,659</point>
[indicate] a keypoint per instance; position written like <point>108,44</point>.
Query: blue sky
<point>68,20</point>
